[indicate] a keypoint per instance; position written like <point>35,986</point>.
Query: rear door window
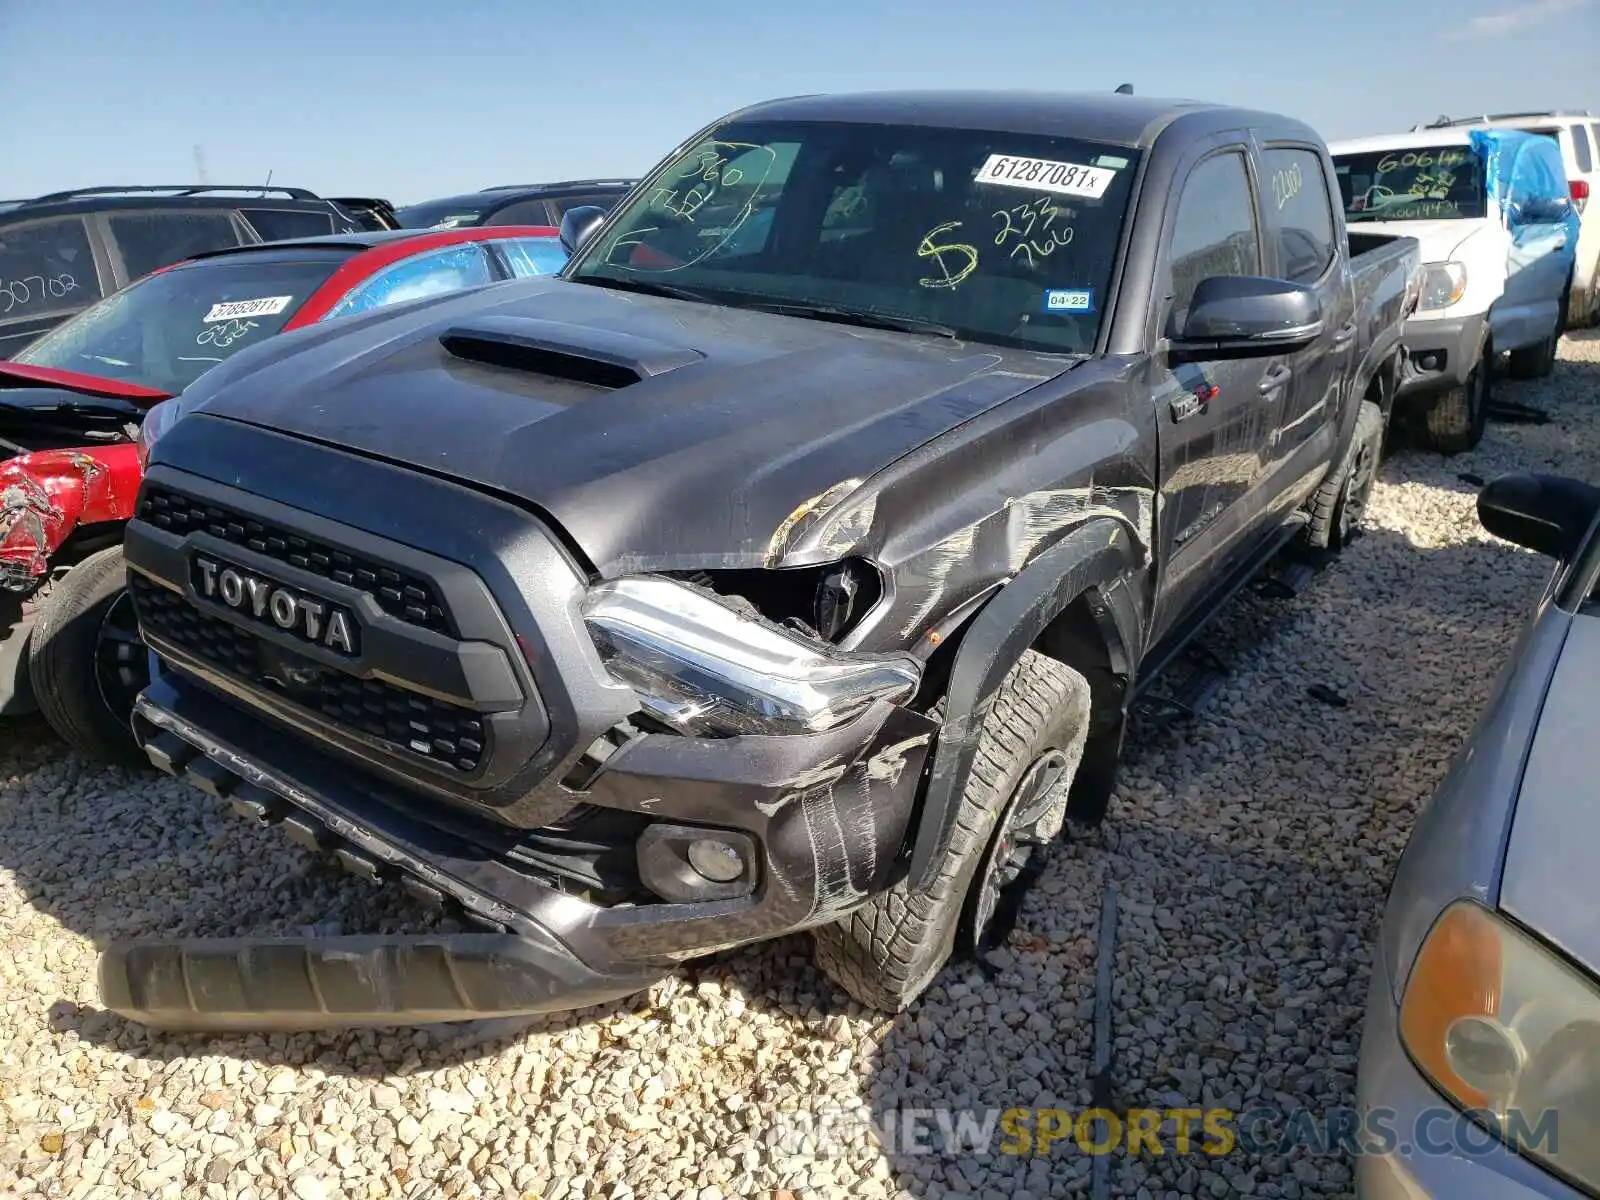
<point>1295,191</point>
<point>432,273</point>
<point>275,223</point>
<point>149,240</point>
<point>46,267</point>
<point>1580,149</point>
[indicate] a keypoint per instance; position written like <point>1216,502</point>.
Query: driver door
<point>1215,418</point>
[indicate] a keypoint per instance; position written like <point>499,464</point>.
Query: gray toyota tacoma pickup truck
<point>788,563</point>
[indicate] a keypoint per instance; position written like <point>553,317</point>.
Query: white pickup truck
<point>1499,235</point>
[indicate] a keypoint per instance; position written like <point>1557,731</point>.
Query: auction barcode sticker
<point>233,310</point>
<point>1045,175</point>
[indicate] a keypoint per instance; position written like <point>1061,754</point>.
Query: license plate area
<point>270,604</point>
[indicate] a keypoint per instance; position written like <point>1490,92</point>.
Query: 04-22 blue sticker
<point>1069,300</point>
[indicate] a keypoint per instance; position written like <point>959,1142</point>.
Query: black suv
<point>61,252</point>
<point>515,204</point>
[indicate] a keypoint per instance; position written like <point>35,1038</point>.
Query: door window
<point>46,267</point>
<point>607,202</point>
<point>523,212</point>
<point>149,240</point>
<point>1296,191</point>
<point>1538,184</point>
<point>431,274</point>
<point>531,256</point>
<point>1215,231</point>
<point>1580,149</point>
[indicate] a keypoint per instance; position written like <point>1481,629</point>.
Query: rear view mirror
<point>1245,316</point>
<point>578,224</point>
<point>1550,514</point>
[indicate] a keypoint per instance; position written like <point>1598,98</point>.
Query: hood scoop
<point>601,359</point>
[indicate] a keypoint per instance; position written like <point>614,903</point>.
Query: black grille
<point>434,729</point>
<point>400,595</point>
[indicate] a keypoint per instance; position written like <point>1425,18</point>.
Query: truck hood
<point>1547,880</point>
<point>659,434</point>
<point>1441,240</point>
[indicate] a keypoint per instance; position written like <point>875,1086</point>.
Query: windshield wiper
<point>847,316</point>
<point>644,286</point>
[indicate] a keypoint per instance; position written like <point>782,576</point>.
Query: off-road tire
<point>63,660</point>
<point>1454,421</point>
<point>1535,361</point>
<point>887,952</point>
<point>1338,505</point>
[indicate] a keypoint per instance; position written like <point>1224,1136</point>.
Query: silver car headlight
<point>1443,283</point>
<point>1510,1031</point>
<point>703,667</point>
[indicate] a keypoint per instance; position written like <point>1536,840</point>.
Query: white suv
<point>1578,134</point>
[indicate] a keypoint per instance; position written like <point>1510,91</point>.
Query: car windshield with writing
<point>1428,183</point>
<point>988,236</point>
<point>170,328</point>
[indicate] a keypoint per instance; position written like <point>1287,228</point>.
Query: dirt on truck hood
<point>660,434</point>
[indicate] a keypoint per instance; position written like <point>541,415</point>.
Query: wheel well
<point>1075,637</point>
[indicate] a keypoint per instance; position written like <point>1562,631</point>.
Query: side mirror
<point>1551,514</point>
<point>1247,316</point>
<point>577,224</point>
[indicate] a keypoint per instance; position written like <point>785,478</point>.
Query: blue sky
<point>421,98</point>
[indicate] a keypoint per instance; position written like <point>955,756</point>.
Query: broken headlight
<point>703,667</point>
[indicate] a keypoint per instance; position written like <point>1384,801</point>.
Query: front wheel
<point>888,951</point>
<point>1455,420</point>
<point>87,662</point>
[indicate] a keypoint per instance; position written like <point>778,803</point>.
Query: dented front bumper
<point>819,820</point>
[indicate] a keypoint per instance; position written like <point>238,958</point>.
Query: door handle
<point>1345,336</point>
<point>1274,380</point>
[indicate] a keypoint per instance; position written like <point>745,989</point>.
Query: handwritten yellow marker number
<point>928,248</point>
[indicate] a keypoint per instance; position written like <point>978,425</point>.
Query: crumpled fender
<point>45,495</point>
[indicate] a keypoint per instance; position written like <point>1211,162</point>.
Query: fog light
<point>1429,362</point>
<point>717,861</point>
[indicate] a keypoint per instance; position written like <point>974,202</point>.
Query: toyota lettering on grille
<point>313,620</point>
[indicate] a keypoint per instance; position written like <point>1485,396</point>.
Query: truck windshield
<point>168,329</point>
<point>989,236</point>
<point>1429,183</point>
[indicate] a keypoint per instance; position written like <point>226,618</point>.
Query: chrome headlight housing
<point>1443,284</point>
<point>1510,1031</point>
<point>703,667</point>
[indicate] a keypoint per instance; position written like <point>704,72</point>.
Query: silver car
<point>1480,1061</point>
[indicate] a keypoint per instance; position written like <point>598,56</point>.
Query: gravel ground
<point>1251,850</point>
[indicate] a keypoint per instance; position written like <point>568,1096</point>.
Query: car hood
<point>1547,880</point>
<point>1441,240</point>
<point>659,434</point>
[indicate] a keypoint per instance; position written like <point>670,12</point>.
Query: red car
<point>71,405</point>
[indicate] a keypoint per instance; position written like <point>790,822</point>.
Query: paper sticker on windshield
<point>233,310</point>
<point>1045,175</point>
<point>1069,300</point>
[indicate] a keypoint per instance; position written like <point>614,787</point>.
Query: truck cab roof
<point>1111,117</point>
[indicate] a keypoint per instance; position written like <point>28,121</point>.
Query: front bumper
<point>1436,1151</point>
<point>824,816</point>
<point>1440,353</point>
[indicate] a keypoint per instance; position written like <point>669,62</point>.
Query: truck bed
<point>1386,276</point>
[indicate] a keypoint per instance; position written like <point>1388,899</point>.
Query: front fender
<point>1095,553</point>
<point>46,495</point>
